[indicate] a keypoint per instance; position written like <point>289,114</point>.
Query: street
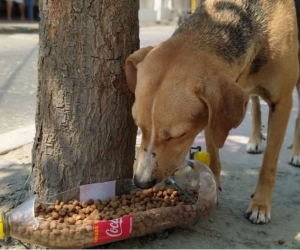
<point>18,74</point>
<point>18,80</point>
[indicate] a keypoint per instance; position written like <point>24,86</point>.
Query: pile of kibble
<point>118,206</point>
<point>65,225</point>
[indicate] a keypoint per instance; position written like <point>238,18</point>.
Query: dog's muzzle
<point>144,184</point>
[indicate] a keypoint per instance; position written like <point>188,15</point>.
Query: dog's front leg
<point>213,151</point>
<point>259,210</point>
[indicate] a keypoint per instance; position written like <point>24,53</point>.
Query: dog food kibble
<point>71,224</point>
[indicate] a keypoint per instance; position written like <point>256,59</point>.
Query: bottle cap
<point>202,157</point>
<point>1,227</point>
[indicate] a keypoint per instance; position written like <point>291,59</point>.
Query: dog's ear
<point>131,66</point>
<point>227,106</point>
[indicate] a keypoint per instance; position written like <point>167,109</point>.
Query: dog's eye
<point>182,135</point>
<point>177,137</point>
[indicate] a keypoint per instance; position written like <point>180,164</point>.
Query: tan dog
<point>200,79</point>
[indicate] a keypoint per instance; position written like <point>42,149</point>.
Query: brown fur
<point>200,79</point>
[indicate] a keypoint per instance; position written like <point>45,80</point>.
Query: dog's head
<point>174,102</point>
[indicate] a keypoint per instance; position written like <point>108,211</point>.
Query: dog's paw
<point>254,145</point>
<point>295,160</point>
<point>254,148</point>
<point>258,213</point>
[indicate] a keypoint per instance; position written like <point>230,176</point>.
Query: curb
<point>18,30</point>
<point>16,139</point>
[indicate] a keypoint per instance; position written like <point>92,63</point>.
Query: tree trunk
<point>84,129</point>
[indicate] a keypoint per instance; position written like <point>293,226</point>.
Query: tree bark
<point>84,129</point>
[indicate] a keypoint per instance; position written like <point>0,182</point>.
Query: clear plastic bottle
<point>61,229</point>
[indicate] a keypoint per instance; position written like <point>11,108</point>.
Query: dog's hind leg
<point>254,144</point>
<point>295,155</point>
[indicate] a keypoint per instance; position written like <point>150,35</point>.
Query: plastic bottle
<point>51,232</point>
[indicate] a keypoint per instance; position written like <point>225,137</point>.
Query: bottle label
<point>112,230</point>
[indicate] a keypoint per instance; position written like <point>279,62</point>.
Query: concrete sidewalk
<point>16,139</point>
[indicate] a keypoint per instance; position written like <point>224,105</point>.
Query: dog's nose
<point>144,184</point>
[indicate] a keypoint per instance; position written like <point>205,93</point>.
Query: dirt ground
<point>226,227</point>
